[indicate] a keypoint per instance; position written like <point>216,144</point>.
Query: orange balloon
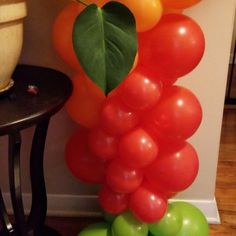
<point>85,102</point>
<point>172,11</point>
<point>62,34</point>
<point>147,13</point>
<point>179,4</point>
<point>97,2</point>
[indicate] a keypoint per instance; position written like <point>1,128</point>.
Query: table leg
<point>6,224</point>
<point>15,182</point>
<point>20,227</point>
<point>39,198</point>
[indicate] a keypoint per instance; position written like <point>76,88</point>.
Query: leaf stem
<point>82,2</point>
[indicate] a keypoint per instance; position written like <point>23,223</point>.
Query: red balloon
<point>122,179</point>
<point>140,89</point>
<point>113,202</point>
<point>102,144</point>
<point>177,115</point>
<point>147,206</point>
<point>116,118</point>
<point>173,48</point>
<point>82,164</point>
<point>165,80</point>
<point>158,189</point>
<point>175,168</point>
<point>137,149</point>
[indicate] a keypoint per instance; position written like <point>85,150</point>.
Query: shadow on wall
<point>37,47</point>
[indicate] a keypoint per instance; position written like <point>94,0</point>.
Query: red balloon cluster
<point>138,150</point>
<point>136,146</point>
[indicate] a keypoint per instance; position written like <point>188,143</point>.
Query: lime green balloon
<point>127,225</point>
<point>109,218</point>
<point>169,225</point>
<point>194,222</point>
<point>98,229</point>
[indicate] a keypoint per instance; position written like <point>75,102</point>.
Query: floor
<point>226,177</point>
<point>225,187</point>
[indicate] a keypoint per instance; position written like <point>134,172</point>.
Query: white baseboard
<point>208,207</point>
<point>87,205</point>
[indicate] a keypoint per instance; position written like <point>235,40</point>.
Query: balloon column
<point>133,142</point>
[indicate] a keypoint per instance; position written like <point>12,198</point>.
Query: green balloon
<point>98,229</point>
<point>194,222</point>
<point>169,225</point>
<point>109,218</point>
<point>127,225</point>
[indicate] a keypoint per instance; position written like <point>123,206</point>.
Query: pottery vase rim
<point>11,10</point>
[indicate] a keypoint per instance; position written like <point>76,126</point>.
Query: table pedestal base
<point>47,231</point>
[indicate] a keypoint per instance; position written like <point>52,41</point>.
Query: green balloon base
<point>181,219</point>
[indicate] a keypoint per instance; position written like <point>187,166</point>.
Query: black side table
<point>19,110</point>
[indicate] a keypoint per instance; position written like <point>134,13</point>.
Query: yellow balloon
<point>147,13</point>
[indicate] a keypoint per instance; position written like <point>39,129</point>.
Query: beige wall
<point>234,37</point>
<point>208,82</point>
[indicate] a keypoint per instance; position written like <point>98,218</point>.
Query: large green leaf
<point>105,42</point>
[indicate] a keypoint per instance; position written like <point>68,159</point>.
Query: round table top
<point>21,108</point>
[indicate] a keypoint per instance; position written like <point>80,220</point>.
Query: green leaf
<point>105,42</point>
